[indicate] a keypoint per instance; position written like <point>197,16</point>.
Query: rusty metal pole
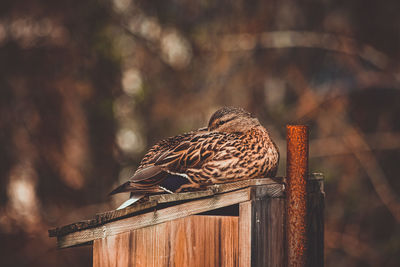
<point>297,172</point>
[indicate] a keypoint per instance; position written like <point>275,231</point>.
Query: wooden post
<point>315,221</point>
<point>262,229</point>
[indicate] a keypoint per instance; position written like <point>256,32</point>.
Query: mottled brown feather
<point>235,146</point>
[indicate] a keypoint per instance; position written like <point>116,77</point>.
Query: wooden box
<point>236,224</point>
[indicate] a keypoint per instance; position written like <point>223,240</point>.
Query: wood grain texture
<point>262,220</point>
<point>315,226</point>
<point>191,241</point>
<point>155,217</point>
<point>268,234</point>
<point>100,219</point>
<point>259,230</point>
<point>245,229</point>
<point>276,183</point>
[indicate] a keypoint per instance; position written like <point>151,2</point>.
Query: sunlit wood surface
<point>191,241</point>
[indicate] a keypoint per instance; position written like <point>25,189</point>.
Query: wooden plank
<point>191,241</point>
<point>156,217</point>
<point>100,219</point>
<point>128,211</point>
<point>275,186</point>
<point>73,227</point>
<point>215,189</point>
<point>273,253</point>
<point>261,230</point>
<point>227,187</point>
<point>245,234</point>
<point>109,251</point>
<point>315,227</point>
<point>165,198</point>
<point>268,230</point>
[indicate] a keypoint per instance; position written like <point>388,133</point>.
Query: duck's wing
<point>160,148</point>
<point>194,152</point>
<point>164,145</point>
<point>148,175</point>
<point>218,157</point>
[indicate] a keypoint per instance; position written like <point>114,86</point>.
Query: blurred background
<point>87,86</point>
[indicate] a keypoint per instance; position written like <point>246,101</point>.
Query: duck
<point>233,147</point>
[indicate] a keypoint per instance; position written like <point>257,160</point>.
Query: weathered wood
<point>108,216</point>
<point>245,230</point>
<point>315,225</point>
<point>260,227</point>
<point>268,232</point>
<point>153,201</point>
<point>261,230</point>
<point>155,217</point>
<point>112,250</point>
<point>191,241</point>
<point>101,219</point>
<point>214,189</point>
<point>227,187</point>
<point>166,198</point>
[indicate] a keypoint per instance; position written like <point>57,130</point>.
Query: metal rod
<point>296,171</point>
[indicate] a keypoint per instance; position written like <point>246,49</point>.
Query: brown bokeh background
<point>87,86</point>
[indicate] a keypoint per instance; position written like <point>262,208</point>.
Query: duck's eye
<point>219,123</point>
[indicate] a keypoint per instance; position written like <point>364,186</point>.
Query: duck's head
<point>232,120</point>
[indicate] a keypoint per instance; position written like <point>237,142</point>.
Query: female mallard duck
<point>234,146</point>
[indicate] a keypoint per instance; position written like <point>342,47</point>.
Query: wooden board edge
<point>166,198</point>
<point>152,218</point>
<point>108,216</point>
<point>100,219</point>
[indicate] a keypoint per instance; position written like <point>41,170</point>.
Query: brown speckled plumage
<point>233,147</point>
